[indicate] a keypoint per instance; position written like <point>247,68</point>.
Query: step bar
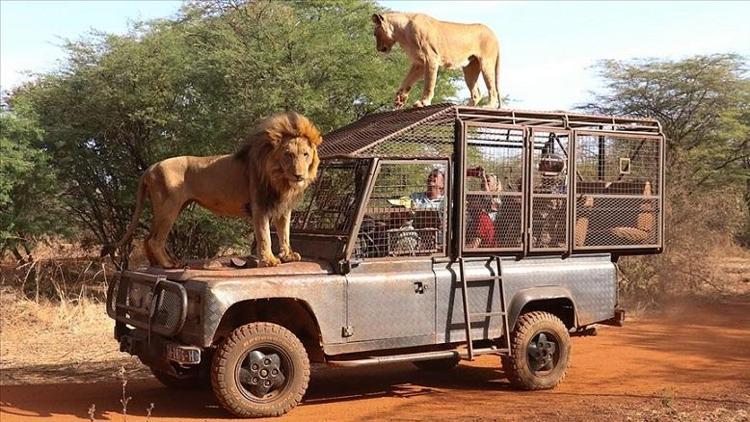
<point>414,357</point>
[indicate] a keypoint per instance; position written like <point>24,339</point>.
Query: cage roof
<point>429,132</point>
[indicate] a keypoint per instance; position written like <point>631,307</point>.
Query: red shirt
<point>484,229</point>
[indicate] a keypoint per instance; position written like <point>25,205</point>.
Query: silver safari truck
<point>431,235</point>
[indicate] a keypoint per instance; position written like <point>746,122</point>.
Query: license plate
<point>185,355</point>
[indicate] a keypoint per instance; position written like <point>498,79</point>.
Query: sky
<point>548,49</point>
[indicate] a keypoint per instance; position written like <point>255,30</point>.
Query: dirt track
<point>689,363</point>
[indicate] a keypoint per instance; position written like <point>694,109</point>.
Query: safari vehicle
<point>518,255</point>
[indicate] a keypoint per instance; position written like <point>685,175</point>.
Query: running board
<point>414,357</point>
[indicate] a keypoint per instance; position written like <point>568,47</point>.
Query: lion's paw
<point>291,256</point>
<point>421,103</point>
<point>400,100</point>
<point>269,261</point>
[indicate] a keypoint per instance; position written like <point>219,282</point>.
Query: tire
<point>170,381</point>
<point>445,364</point>
<point>260,370</point>
<point>540,352</point>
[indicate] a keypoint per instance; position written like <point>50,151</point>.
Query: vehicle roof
<point>429,132</point>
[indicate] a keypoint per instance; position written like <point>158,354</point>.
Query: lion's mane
<point>273,193</point>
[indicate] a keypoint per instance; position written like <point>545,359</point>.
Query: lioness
<point>262,180</point>
<point>431,43</point>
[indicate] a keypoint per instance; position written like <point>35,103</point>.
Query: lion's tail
<point>497,79</point>
<point>139,199</point>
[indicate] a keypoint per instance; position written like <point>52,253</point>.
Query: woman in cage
<point>482,211</point>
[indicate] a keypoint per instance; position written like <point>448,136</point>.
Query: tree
<point>702,102</point>
<point>703,105</point>
<point>195,85</point>
<point>29,208</point>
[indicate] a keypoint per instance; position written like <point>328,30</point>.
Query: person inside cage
<point>480,229</point>
<point>434,194</point>
<point>482,210</point>
<point>429,206</point>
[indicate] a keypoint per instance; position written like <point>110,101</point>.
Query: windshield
<point>330,204</point>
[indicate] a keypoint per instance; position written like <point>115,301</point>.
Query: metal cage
<point>516,182</point>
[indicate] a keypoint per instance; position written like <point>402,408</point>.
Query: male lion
<point>431,43</point>
<point>263,180</point>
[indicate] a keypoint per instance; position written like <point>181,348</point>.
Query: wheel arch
<point>553,299</point>
<point>291,313</point>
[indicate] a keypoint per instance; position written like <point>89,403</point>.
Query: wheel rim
<point>543,352</point>
<point>264,373</point>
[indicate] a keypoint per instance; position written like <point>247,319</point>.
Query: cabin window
<point>405,214</point>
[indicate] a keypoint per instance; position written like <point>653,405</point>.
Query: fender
<point>536,294</point>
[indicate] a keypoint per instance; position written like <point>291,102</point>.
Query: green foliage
<point>28,191</point>
<point>199,234</point>
<point>194,86</point>
<point>703,104</point>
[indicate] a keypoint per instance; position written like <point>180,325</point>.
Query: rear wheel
<point>261,370</point>
<point>445,364</point>
<point>540,352</point>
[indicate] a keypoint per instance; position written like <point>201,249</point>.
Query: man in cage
<point>421,229</point>
<point>434,194</point>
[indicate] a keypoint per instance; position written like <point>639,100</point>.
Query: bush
<point>198,234</point>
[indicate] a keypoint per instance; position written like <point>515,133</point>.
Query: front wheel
<point>540,352</point>
<point>261,370</point>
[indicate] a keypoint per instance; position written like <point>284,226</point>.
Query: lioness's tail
<point>139,199</point>
<point>497,79</point>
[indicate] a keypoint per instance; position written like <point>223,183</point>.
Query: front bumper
<point>158,352</point>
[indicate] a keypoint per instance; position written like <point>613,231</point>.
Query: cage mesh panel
<point>493,221</point>
<point>494,174</point>
<point>399,220</point>
<point>617,191</point>
<point>638,158</point>
<point>549,222</point>
<point>617,221</point>
<point>418,132</point>
<point>549,190</point>
<point>330,203</point>
<point>431,138</point>
<point>363,137</point>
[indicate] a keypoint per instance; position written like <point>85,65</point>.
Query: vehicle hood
<point>197,272</point>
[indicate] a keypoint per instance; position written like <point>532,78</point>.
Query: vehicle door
<point>402,227</point>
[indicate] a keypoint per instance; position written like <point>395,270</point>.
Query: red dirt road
<point>689,363</point>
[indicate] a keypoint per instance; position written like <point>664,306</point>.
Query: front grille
<point>169,309</point>
<point>148,302</point>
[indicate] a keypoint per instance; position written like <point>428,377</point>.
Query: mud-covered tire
<point>170,381</point>
<point>436,365</point>
<point>534,364</point>
<point>238,377</point>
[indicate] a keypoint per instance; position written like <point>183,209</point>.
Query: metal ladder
<point>497,280</point>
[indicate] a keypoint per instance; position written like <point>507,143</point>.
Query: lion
<point>263,180</point>
<point>431,43</point>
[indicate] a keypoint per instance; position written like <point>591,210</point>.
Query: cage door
<point>493,208</point>
<point>549,190</point>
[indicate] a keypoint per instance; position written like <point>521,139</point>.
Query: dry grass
<point>52,341</point>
